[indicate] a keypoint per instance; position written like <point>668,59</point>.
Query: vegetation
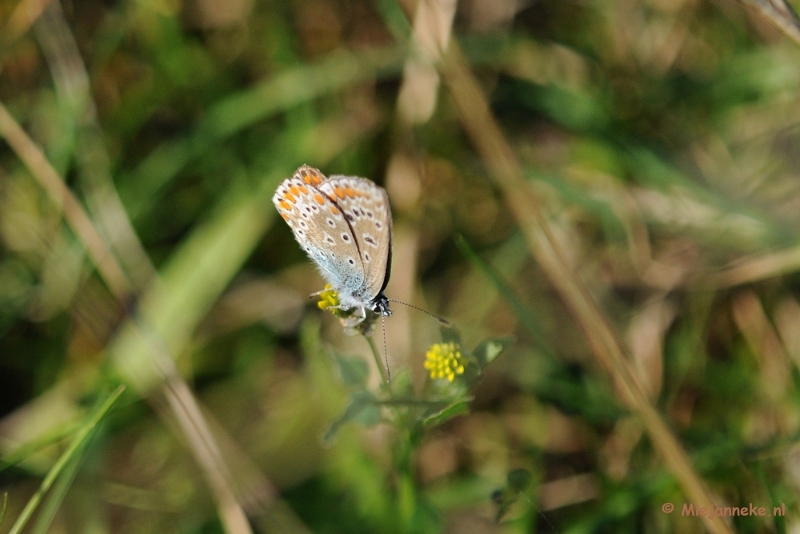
<point>600,197</point>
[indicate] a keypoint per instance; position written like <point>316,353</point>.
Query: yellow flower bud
<point>444,360</point>
<point>328,298</point>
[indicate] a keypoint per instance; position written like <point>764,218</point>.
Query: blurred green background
<point>660,135</point>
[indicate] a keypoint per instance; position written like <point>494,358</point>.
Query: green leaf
<point>370,415</point>
<point>527,316</point>
<point>402,384</point>
<point>353,370</point>
<point>450,411</point>
<point>519,479</point>
<point>490,349</point>
<point>517,482</point>
<point>450,334</point>
<point>359,402</point>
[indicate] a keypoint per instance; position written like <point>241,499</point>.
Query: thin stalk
<point>377,357</point>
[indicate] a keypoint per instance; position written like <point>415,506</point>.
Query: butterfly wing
<point>319,225</point>
<point>366,208</point>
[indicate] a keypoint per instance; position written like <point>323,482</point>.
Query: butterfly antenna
<point>385,350</point>
<point>440,319</point>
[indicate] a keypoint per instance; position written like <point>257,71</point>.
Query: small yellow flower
<point>355,320</point>
<point>328,298</point>
<point>444,360</point>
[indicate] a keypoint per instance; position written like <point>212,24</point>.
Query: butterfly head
<point>380,305</point>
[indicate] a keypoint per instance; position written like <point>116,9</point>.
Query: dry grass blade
<point>526,208</point>
<point>59,193</point>
<point>780,14</point>
<point>416,102</point>
<point>231,513</point>
<point>72,84</point>
<point>759,268</point>
<point>5,507</point>
<point>22,18</point>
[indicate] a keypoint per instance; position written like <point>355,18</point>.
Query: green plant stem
<point>412,402</point>
<point>77,443</point>
<point>382,369</point>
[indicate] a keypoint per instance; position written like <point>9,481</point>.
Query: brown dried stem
<point>780,14</point>
<point>527,209</point>
<point>62,197</point>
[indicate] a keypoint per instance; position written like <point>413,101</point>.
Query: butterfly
<point>344,223</point>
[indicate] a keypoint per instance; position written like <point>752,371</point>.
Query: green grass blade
<point>78,442</point>
<point>54,436</point>
<point>59,491</point>
<point>192,280</point>
<point>239,111</point>
<point>525,314</point>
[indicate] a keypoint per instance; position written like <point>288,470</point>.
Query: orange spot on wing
<point>285,205</point>
<point>334,210</point>
<point>295,190</point>
<point>288,196</point>
<point>349,192</point>
<point>339,192</point>
<point>310,177</point>
<point>303,189</point>
<point>320,200</point>
<point>285,217</point>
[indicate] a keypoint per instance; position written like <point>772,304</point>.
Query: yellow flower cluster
<point>444,360</point>
<point>328,298</point>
